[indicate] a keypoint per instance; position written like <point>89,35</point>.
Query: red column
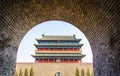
<point>68,60</point>
<point>62,60</point>
<point>43,60</point>
<point>80,61</point>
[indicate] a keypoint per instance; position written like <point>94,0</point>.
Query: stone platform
<point>49,69</point>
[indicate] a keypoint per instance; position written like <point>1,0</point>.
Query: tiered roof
<point>58,45</point>
<point>60,38</point>
<point>70,42</point>
<point>59,54</point>
<point>47,37</point>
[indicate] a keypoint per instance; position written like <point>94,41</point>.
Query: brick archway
<point>98,20</point>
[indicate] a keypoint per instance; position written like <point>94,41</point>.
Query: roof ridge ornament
<point>43,34</point>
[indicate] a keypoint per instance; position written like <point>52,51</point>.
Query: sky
<point>54,27</point>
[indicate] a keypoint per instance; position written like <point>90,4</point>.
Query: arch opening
<point>56,28</point>
<point>53,27</point>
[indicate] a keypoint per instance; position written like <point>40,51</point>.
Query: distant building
<point>58,49</point>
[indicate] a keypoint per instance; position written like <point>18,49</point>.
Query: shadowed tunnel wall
<point>99,20</point>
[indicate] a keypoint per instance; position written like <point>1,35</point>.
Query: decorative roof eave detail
<point>59,55</point>
<point>57,40</point>
<point>69,57</point>
<point>58,45</point>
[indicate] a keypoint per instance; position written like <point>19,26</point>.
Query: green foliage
<point>77,72</point>
<point>92,74</point>
<point>31,72</point>
<point>82,72</point>
<point>15,74</point>
<point>87,72</point>
<point>20,73</point>
<point>26,72</point>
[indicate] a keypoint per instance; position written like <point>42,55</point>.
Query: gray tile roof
<point>58,54</point>
<point>58,44</point>
<point>53,37</point>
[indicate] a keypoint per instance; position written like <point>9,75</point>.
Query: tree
<point>26,72</point>
<point>20,73</point>
<point>82,72</point>
<point>31,72</point>
<point>77,72</point>
<point>15,74</point>
<point>92,74</point>
<point>87,72</point>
